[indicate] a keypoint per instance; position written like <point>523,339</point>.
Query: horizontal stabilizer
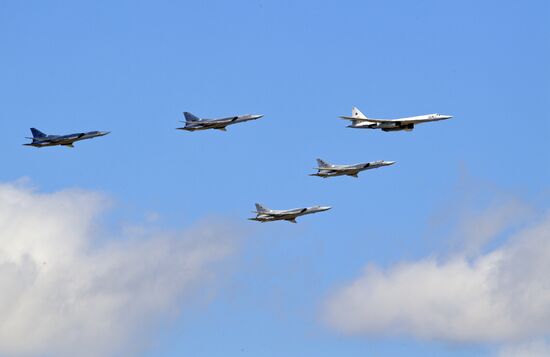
<point>355,119</point>
<point>380,120</point>
<point>343,168</point>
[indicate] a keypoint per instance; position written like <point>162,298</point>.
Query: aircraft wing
<point>288,213</point>
<point>354,118</point>
<point>335,169</point>
<point>401,121</point>
<point>38,139</point>
<point>62,141</point>
<point>227,120</point>
<point>274,214</point>
<point>69,139</point>
<point>384,120</point>
<point>47,139</point>
<point>219,122</point>
<point>291,212</point>
<point>208,125</point>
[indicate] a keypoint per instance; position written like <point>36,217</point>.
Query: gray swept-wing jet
<point>329,170</point>
<point>193,123</point>
<point>360,121</point>
<point>39,139</point>
<point>264,214</point>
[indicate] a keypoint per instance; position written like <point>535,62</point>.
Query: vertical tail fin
<point>37,133</point>
<point>261,208</point>
<point>190,117</point>
<point>322,163</point>
<point>356,113</point>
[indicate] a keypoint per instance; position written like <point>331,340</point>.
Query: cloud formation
<point>69,288</point>
<point>538,348</point>
<point>498,296</point>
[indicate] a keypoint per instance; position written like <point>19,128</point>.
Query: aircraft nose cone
<point>102,133</point>
<point>325,208</point>
<point>258,116</point>
<point>390,162</point>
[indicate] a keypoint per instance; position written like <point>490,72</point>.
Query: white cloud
<point>499,296</point>
<point>68,288</point>
<point>539,348</point>
<point>477,228</point>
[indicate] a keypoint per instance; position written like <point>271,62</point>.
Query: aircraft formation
<point>324,169</point>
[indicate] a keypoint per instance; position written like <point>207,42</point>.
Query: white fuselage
<point>407,123</point>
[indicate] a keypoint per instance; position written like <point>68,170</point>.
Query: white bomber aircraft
<point>360,121</point>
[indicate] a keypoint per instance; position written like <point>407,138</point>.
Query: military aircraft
<point>193,123</point>
<point>40,139</point>
<point>267,215</point>
<point>360,121</point>
<point>328,170</point>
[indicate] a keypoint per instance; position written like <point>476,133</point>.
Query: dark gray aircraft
<point>267,215</point>
<point>328,170</point>
<point>193,123</point>
<point>40,139</point>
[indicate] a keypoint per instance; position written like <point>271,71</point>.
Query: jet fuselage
<point>64,140</point>
<point>349,170</point>
<point>290,215</point>
<point>219,124</point>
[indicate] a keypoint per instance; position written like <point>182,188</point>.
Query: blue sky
<point>132,67</point>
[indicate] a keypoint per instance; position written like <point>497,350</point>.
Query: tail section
<point>322,163</point>
<point>356,113</point>
<point>261,208</point>
<point>190,117</point>
<point>356,117</point>
<point>37,134</point>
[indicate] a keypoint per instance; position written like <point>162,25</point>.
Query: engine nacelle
<point>408,127</point>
